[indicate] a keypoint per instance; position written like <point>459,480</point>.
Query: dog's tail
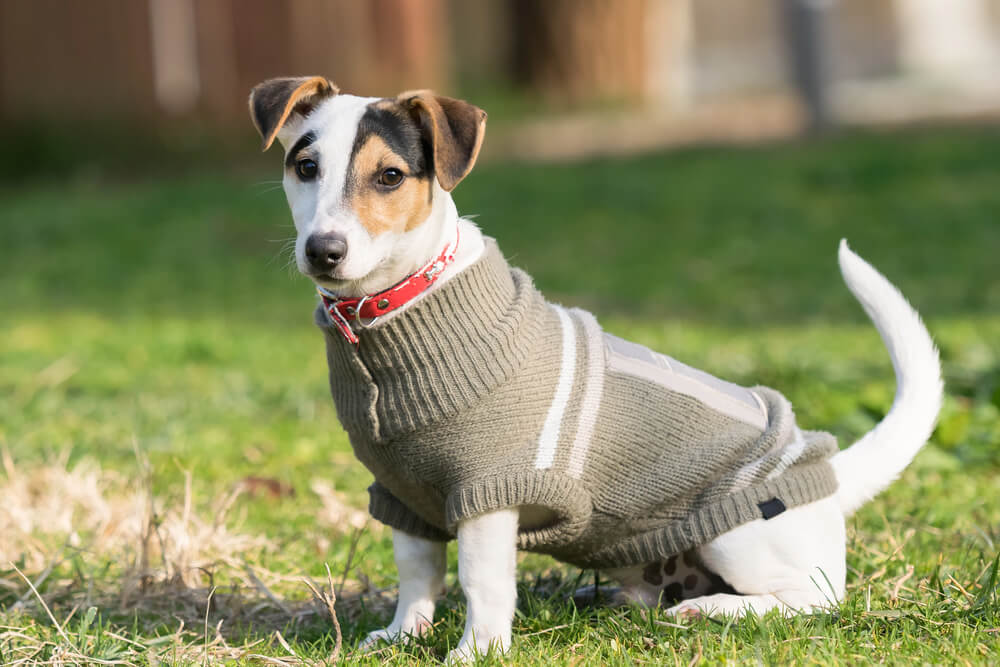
<point>874,461</point>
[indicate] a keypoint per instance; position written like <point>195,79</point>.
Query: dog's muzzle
<point>325,251</point>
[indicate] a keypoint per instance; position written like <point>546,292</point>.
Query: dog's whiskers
<point>264,192</point>
<point>287,249</point>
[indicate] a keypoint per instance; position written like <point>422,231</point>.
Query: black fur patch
<point>269,101</point>
<point>304,141</point>
<point>771,508</point>
<point>400,132</point>
<point>651,573</point>
<point>672,593</point>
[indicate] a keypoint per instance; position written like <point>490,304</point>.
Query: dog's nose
<point>325,251</point>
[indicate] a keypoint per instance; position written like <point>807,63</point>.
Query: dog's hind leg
<point>666,581</point>
<point>728,604</point>
<point>794,562</point>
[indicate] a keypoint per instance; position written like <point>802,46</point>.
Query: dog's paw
<point>469,649</point>
<point>686,612</point>
<point>392,635</point>
<point>375,637</point>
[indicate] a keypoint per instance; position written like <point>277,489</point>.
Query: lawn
<point>172,467</point>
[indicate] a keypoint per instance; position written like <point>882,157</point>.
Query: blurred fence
<point>164,57</point>
<point>154,60</point>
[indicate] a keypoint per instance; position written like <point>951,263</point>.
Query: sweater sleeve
<point>388,509</point>
<point>566,498</point>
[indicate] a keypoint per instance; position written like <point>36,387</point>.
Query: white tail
<point>874,461</point>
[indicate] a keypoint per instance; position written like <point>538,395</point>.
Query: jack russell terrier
<point>489,415</point>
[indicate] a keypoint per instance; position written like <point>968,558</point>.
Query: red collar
<point>374,306</point>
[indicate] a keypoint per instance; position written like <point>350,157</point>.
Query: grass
<point>172,460</point>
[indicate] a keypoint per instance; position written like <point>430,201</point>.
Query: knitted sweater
<point>484,396</point>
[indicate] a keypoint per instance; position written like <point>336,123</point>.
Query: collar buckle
<point>357,313</point>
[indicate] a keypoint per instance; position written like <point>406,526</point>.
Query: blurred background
<point>562,79</point>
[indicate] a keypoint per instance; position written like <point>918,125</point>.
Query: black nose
<point>325,251</point>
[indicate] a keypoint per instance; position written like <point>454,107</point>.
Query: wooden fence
<point>148,58</point>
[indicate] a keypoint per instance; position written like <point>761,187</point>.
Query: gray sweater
<point>483,396</point>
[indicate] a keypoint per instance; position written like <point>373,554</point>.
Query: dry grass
<point>180,574</point>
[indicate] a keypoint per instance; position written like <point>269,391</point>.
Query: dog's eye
<point>306,169</point>
<point>390,178</point>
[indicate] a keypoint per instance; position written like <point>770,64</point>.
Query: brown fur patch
<point>386,104</point>
<point>382,210</point>
<point>456,131</point>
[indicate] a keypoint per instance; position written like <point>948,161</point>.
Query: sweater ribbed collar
<point>440,355</point>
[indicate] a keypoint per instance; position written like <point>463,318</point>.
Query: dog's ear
<point>454,129</point>
<point>274,100</point>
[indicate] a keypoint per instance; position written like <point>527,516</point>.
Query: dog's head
<point>367,179</point>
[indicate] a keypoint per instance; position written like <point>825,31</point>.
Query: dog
<point>431,340</point>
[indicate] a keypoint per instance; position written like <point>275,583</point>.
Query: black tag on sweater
<point>771,508</point>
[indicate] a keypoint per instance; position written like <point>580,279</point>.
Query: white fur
<point>317,206</point>
<point>421,565</point>
<point>879,457</point>
<point>794,562</point>
<point>487,562</point>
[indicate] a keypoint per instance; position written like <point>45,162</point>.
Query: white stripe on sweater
<point>792,452</point>
<point>592,393</point>
<point>549,438</point>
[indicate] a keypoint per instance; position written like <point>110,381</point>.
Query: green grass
<point>159,316</point>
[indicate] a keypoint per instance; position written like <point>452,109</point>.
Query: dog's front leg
<point>487,559</point>
<point>421,565</point>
